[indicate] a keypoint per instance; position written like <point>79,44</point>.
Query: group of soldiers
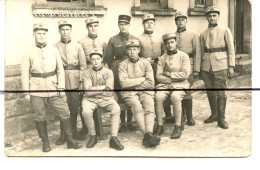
<point>148,74</point>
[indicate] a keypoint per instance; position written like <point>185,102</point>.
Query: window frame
<point>197,10</point>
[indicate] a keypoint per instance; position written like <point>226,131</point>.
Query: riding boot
<point>188,107</point>
<point>74,127</point>
<point>214,109</point>
<point>71,143</point>
<point>221,112</point>
<point>41,127</point>
<point>123,127</point>
<point>62,138</point>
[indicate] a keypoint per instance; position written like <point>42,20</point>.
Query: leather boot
<point>188,107</point>
<point>130,127</point>
<point>150,140</point>
<point>92,141</point>
<point>183,109</point>
<point>74,127</point>
<point>71,143</point>
<point>115,143</point>
<point>123,127</point>
<point>214,109</point>
<point>168,115</point>
<point>62,138</point>
<point>41,127</point>
<point>182,122</point>
<point>159,131</point>
<point>176,132</point>
<point>221,112</point>
<point>84,131</point>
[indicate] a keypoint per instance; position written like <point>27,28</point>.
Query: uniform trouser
<point>73,102</point>
<point>215,80</point>
<point>58,103</point>
<point>142,106</point>
<point>176,98</point>
<point>107,104</point>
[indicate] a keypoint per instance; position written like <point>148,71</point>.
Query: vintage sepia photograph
<point>128,78</point>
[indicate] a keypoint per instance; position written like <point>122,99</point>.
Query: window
<point>156,7</point>
<point>198,7</point>
<point>68,8</point>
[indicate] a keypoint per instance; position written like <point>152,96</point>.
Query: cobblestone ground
<point>196,141</point>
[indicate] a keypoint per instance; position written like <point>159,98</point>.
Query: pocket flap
<point>221,56</point>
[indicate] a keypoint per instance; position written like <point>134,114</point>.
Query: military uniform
<point>42,70</point>
<point>189,42</point>
<point>115,53</point>
<point>93,78</point>
<point>74,62</point>
<point>140,102</point>
<point>218,56</point>
<point>173,70</point>
<point>90,42</point>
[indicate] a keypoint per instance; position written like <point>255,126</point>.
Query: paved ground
<point>198,141</point>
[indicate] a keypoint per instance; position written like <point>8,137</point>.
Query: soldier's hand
<point>231,72</point>
<point>142,79</point>
<point>27,96</point>
<point>80,88</point>
<point>166,73</point>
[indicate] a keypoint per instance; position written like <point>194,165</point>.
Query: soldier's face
<point>133,53</point>
<point>171,44</point>
<point>123,27</point>
<point>40,36</point>
<point>213,18</point>
<point>181,22</point>
<point>65,31</point>
<point>92,28</point>
<point>96,60</point>
<point>149,25</point>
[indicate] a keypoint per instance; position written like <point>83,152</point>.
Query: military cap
<point>132,43</point>
<point>169,36</point>
<point>148,17</point>
<point>40,26</point>
<point>180,14</point>
<point>212,9</point>
<point>91,19</point>
<point>64,22</point>
<point>96,51</point>
<point>124,18</point>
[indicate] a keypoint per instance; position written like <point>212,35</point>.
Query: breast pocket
<point>118,49</point>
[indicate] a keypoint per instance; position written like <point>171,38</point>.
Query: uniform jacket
<point>130,75</point>
<point>189,42</point>
<point>89,44</point>
<point>93,78</point>
<point>72,54</point>
<point>42,60</point>
<point>116,49</point>
<point>217,37</point>
<point>151,45</point>
<point>179,67</point>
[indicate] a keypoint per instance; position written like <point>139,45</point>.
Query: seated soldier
<point>173,70</point>
<point>137,74</point>
<point>96,81</point>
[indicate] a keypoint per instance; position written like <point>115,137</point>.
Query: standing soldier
<point>42,70</point>
<point>89,42</point>
<point>115,53</point>
<point>136,73</point>
<point>217,64</point>
<point>173,70</point>
<point>97,79</point>
<point>152,47</point>
<point>74,62</point>
<point>188,42</point>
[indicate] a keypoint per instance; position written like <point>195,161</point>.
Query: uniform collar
<point>171,52</point>
<point>134,61</point>
<point>124,36</point>
<point>40,45</point>
<point>92,36</point>
<point>65,41</point>
<point>98,69</point>
<point>180,30</point>
<point>148,32</point>
<point>212,25</point>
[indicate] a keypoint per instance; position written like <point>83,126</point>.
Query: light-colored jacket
<point>130,75</point>
<point>189,42</point>
<point>217,37</point>
<point>43,60</point>
<point>72,54</point>
<point>179,67</point>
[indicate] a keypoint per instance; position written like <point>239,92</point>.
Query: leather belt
<point>43,75</point>
<point>71,67</point>
<point>213,50</point>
